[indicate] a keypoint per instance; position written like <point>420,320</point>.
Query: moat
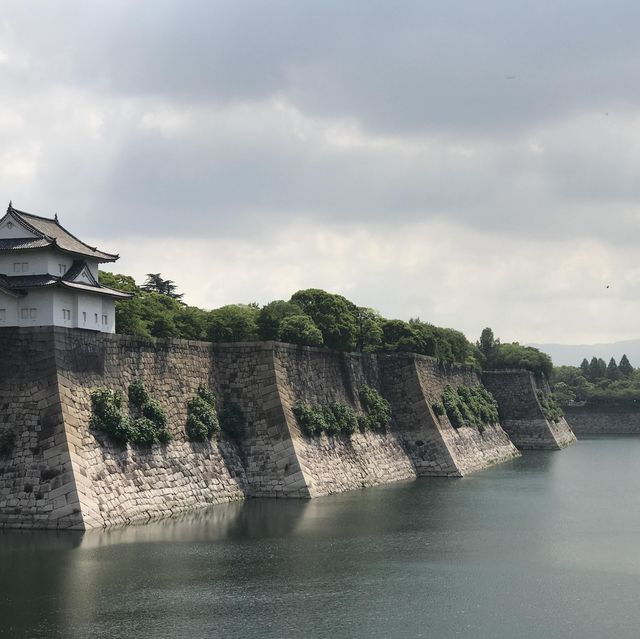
<point>542,546</point>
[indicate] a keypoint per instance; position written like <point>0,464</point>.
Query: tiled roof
<point>16,282</point>
<point>50,231</point>
<point>23,243</point>
<point>22,282</point>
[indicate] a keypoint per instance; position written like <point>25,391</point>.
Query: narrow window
<point>104,320</point>
<point>95,317</point>
<point>84,316</point>
<point>24,313</point>
<point>25,267</point>
<point>16,267</point>
<point>33,313</point>
<point>3,314</point>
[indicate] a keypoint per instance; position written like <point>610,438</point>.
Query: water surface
<point>544,546</point>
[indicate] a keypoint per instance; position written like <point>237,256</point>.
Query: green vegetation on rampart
<point>145,425</point>
<point>467,406</point>
<point>550,406</point>
<point>337,417</point>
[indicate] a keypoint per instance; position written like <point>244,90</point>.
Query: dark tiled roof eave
<point>52,231</point>
<point>26,243</point>
<point>27,282</point>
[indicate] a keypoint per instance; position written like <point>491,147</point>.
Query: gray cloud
<point>237,121</point>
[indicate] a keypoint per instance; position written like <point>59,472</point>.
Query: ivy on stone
<point>550,407</point>
<point>470,406</point>
<point>377,409</point>
<point>202,420</point>
<point>331,419</point>
<point>147,427</point>
<point>339,418</point>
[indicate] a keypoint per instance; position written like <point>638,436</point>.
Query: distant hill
<point>572,355</point>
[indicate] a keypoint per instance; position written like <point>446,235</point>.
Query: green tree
<point>612,370</point>
<point>271,315</point>
<point>487,342</point>
<point>625,368</point>
<point>300,329</point>
<point>597,369</point>
<point>369,329</point>
<point>156,284</point>
<point>233,323</point>
<point>516,356</point>
<point>584,367</point>
<point>333,314</point>
<point>563,393</point>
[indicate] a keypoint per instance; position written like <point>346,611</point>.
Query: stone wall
<point>413,383</point>
<point>63,473</point>
<point>37,479</point>
<point>337,463</point>
<point>521,413</point>
<point>604,419</point>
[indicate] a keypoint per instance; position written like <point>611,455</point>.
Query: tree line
<point>311,317</point>
<point>595,381</point>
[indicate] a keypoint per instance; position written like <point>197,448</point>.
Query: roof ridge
<point>55,221</point>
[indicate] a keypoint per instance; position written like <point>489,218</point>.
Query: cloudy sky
<point>470,163</point>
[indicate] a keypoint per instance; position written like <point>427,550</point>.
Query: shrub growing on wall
<point>469,406</point>
<point>377,409</point>
<point>202,420</point>
<point>550,407</point>
<point>138,394</point>
<point>331,418</point>
<point>147,428</point>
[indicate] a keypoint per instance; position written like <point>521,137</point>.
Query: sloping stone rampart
<point>37,481</point>
<point>64,474</point>
<point>436,446</point>
<point>337,463</point>
<point>522,416</point>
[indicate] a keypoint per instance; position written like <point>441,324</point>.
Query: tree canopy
<point>311,317</point>
<point>594,381</point>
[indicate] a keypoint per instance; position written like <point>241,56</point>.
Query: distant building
<point>48,277</point>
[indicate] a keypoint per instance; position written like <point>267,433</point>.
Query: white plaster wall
<point>91,305</point>
<point>93,267</point>
<point>42,302</point>
<point>38,262</point>
<point>62,300</point>
<point>55,259</point>
<point>109,309</point>
<point>9,305</point>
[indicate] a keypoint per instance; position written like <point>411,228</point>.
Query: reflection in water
<point>541,546</point>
